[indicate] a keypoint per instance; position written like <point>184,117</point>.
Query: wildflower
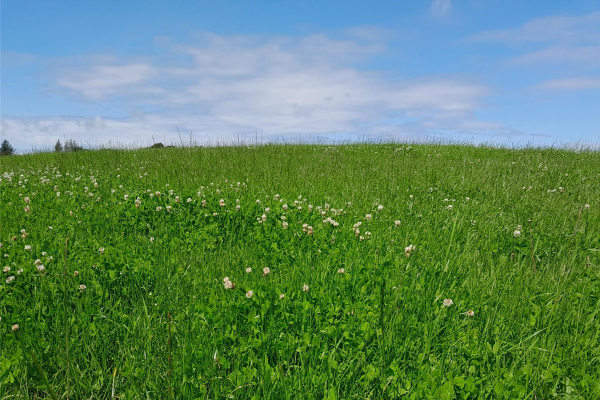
<point>82,287</point>
<point>470,313</point>
<point>19,272</point>
<point>10,279</point>
<point>267,210</point>
<point>189,199</point>
<point>467,199</point>
<point>248,270</point>
<point>40,267</point>
<point>266,270</point>
<point>409,249</point>
<point>448,302</point>
<point>285,225</point>
<point>449,207</point>
<point>227,283</point>
<point>517,233</point>
<point>169,208</point>
<point>249,294</point>
<point>285,207</point>
<point>264,217</point>
<point>341,271</point>
<point>305,288</point>
<point>6,269</point>
<point>281,296</point>
<point>26,208</point>
<point>257,201</point>
<point>222,203</point>
<point>586,207</point>
<point>397,222</point>
<point>157,194</point>
<point>28,247</point>
<point>368,217</point>
<point>177,199</point>
<point>126,197</point>
<point>101,250</point>
<point>15,327</point>
<point>50,227</point>
<point>237,207</point>
<point>152,240</point>
<point>379,208</point>
<point>158,208</point>
<point>38,261</point>
<point>76,273</point>
<point>27,200</point>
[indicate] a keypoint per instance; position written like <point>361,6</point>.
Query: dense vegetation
<point>393,271</point>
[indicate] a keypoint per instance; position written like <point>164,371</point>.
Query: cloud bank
<point>222,88</point>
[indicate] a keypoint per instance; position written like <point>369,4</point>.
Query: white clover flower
<point>237,207</point>
<point>266,270</point>
<point>267,210</point>
<point>341,271</point>
<point>19,272</point>
<point>281,296</point>
<point>517,233</point>
<point>15,327</point>
<point>227,283</point>
<point>76,273</point>
<point>468,199</point>
<point>368,217</point>
<point>285,225</point>
<point>305,288</point>
<point>586,207</point>
<point>448,302</point>
<point>189,199</point>
<point>10,279</point>
<point>152,240</point>
<point>249,294</point>
<point>470,313</point>
<point>379,208</point>
<point>6,269</point>
<point>248,270</point>
<point>158,208</point>
<point>40,267</point>
<point>82,287</point>
<point>37,261</point>
<point>264,217</point>
<point>28,247</point>
<point>449,207</point>
<point>397,222</point>
<point>285,207</point>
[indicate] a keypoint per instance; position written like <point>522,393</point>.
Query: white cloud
<point>227,87</point>
<point>561,29</point>
<point>571,84</point>
<point>440,7</point>
<point>102,80</point>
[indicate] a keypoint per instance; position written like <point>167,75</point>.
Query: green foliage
<point>371,322</point>
<point>6,148</point>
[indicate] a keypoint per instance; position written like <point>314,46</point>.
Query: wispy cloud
<point>440,8</point>
<point>223,87</point>
<point>560,29</point>
<point>571,84</point>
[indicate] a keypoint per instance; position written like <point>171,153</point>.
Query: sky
<point>131,73</point>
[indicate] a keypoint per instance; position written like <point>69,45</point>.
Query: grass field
<point>394,271</point>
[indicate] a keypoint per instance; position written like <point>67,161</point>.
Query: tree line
<point>6,148</point>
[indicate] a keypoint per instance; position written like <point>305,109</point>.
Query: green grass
<point>378,330</point>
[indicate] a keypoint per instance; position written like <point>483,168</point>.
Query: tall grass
<point>155,320</point>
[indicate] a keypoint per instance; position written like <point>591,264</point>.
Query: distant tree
<point>158,145</point>
<point>6,149</point>
<point>58,146</point>
<point>71,145</point>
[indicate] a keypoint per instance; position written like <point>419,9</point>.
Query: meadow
<point>363,271</point>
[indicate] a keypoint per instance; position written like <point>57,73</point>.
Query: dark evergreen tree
<point>6,149</point>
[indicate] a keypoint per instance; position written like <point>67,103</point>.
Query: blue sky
<point>131,72</point>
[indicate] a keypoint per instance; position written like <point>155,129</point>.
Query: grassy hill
<point>498,296</point>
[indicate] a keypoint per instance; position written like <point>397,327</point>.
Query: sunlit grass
<point>345,310</point>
